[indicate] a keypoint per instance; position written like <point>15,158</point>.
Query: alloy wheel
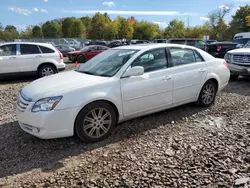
<point>47,71</point>
<point>208,94</point>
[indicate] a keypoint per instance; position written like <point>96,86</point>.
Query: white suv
<point>30,58</point>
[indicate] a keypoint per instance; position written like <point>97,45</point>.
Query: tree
<point>37,32</point>
<point>78,29</point>
<point>239,21</point>
<point>67,25</point>
<point>98,23</point>
<point>216,24</point>
<point>87,23</point>
<point>195,32</point>
<point>50,29</point>
<point>175,29</point>
<point>1,26</point>
<point>12,30</point>
<point>145,30</point>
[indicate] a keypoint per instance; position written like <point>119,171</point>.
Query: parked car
<point>86,53</point>
<point>160,41</point>
<point>117,85</point>
<point>114,44</point>
<point>198,43</point>
<point>64,49</point>
<point>239,61</point>
<point>210,41</point>
<point>101,43</point>
<point>219,49</point>
<point>30,58</point>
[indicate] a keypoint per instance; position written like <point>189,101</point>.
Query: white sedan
<point>117,85</point>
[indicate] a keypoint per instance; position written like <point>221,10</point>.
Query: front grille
<point>22,102</point>
<point>241,59</point>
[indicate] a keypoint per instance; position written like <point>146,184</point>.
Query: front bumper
<point>48,125</point>
<point>239,69</point>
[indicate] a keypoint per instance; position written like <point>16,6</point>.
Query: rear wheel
<point>95,122</point>
<point>81,59</point>
<point>46,70</point>
<point>234,77</point>
<point>207,94</point>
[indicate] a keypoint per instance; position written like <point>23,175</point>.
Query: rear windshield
<point>46,50</point>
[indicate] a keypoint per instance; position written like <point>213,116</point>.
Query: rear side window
<point>27,49</point>
<point>46,50</point>
<point>182,56</point>
<point>102,48</point>
<point>198,57</point>
<point>8,50</point>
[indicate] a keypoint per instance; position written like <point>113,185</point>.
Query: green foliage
<point>72,27</point>
<point>195,32</point>
<point>88,25</point>
<point>239,21</point>
<point>145,30</point>
<point>175,29</point>
<point>12,30</point>
<point>37,32</point>
<point>50,29</point>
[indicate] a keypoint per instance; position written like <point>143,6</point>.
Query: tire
<point>234,77</point>
<point>97,130</point>
<point>207,94</point>
<point>46,70</point>
<point>81,59</point>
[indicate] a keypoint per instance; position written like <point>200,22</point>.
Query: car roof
<point>151,46</point>
<point>186,39</point>
<point>224,43</point>
<point>36,43</point>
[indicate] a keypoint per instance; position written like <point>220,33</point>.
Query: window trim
<point>166,57</point>
<point>193,50</point>
<point>45,47</point>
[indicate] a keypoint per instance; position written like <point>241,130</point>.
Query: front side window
<point>107,63</point>
<point>152,60</point>
<point>8,50</point>
<point>27,49</point>
<point>181,56</point>
<point>200,43</point>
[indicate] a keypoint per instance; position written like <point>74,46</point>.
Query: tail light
<point>218,48</point>
<point>225,63</point>
<point>60,54</point>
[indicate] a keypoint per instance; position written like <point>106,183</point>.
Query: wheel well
<point>215,81</point>
<point>109,102</point>
<point>51,64</point>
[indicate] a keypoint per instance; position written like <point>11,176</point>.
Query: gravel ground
<point>187,146</point>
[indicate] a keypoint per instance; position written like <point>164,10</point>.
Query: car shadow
<point>17,79</point>
<point>21,152</point>
<point>240,86</point>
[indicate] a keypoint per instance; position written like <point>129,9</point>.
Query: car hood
<point>240,51</point>
<point>58,84</point>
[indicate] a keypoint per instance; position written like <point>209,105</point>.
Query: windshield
<point>247,45</point>
<point>107,63</point>
<point>85,48</point>
<point>241,40</point>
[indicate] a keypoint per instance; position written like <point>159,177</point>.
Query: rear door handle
<point>202,70</point>
<point>12,57</point>
<point>166,78</point>
<point>39,56</point>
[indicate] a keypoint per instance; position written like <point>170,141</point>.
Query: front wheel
<point>95,122</point>
<point>81,59</point>
<point>207,94</point>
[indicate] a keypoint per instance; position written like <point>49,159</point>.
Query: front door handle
<point>202,70</point>
<point>39,56</point>
<point>166,78</point>
<point>12,57</point>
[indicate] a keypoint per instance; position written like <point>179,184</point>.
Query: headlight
<point>46,104</point>
<point>228,57</point>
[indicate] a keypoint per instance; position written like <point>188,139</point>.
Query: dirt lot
<point>187,146</point>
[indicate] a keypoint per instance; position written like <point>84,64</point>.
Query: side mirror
<point>134,71</point>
